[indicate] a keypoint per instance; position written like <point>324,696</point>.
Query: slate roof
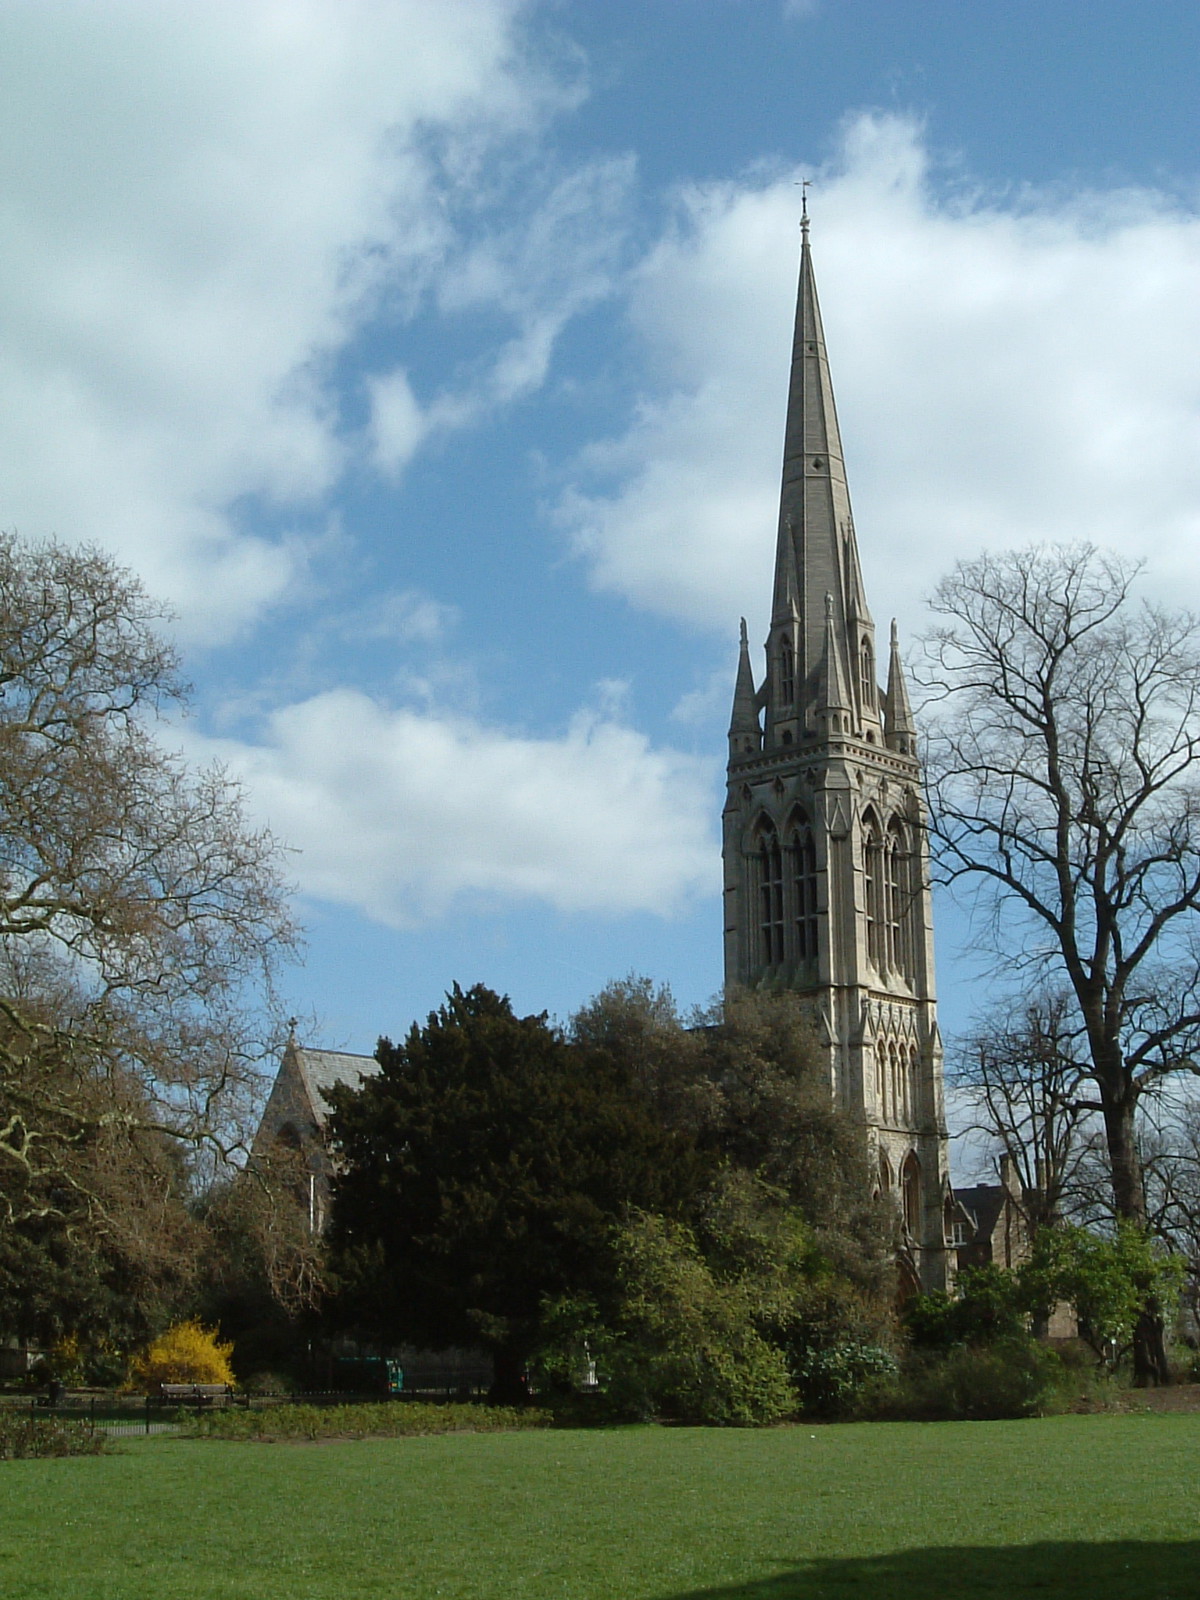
<point>983,1203</point>
<point>324,1069</point>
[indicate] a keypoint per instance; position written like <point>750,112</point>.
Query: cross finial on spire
<point>804,188</point>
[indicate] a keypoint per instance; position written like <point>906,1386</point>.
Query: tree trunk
<point>1129,1194</point>
<point>1150,1365</point>
<point>510,1387</point>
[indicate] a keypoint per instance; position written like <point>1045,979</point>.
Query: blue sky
<point>430,360</point>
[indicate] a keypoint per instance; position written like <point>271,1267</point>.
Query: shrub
<point>270,1383</point>
<point>385,1420</point>
<point>987,1309</point>
<point>66,1360</point>
<point>105,1365</point>
<point>1019,1378</point>
<point>186,1353</point>
<point>691,1348</point>
<point>829,1382</point>
<point>727,1377</point>
<point>23,1434</point>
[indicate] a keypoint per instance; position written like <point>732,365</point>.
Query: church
<point>826,872</point>
<point>826,877</point>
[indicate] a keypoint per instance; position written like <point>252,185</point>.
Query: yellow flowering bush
<point>187,1353</point>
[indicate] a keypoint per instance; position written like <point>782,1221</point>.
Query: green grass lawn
<point>1105,1506</point>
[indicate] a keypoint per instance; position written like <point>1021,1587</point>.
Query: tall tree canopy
<point>745,1080</point>
<point>482,1170</point>
<point>1065,784</point>
<point>141,917</point>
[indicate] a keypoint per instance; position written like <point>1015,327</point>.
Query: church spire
<point>826,885</point>
<point>816,551</point>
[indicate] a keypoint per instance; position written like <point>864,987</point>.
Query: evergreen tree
<point>482,1172</point>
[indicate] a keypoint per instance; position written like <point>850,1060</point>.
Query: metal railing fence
<point>128,1415</point>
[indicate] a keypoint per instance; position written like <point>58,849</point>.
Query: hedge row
<point>387,1420</point>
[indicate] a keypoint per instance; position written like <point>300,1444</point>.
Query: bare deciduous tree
<point>1030,1093</point>
<point>141,917</point>
<point>261,1234</point>
<point>1065,783</point>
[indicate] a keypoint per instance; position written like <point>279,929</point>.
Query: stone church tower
<point>826,864</point>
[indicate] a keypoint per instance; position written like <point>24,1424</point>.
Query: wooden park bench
<point>194,1394</point>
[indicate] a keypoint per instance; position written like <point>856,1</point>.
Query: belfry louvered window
<point>802,854</point>
<point>901,902</point>
<point>873,868</point>
<point>769,866</point>
<point>893,900</point>
<point>888,869</point>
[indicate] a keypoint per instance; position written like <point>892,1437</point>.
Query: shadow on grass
<point>1120,1571</point>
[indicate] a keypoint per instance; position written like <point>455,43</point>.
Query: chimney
<point>1009,1177</point>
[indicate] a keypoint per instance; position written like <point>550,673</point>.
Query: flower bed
<point>23,1434</point>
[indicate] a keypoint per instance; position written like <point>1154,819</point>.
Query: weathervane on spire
<point>804,188</point>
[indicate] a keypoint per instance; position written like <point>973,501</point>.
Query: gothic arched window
<point>802,854</point>
<point>910,1183</point>
<point>885,1174</point>
<point>866,667</point>
<point>873,868</point>
<point>769,864</point>
<point>787,674</point>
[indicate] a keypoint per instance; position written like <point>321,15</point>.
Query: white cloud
<point>197,206</point>
<point>398,812</point>
<point>397,425</point>
<point>404,617</point>
<point>560,258</point>
<point>1005,372</point>
<point>708,703</point>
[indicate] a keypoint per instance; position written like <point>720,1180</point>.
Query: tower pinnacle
<point>744,734</point>
<point>899,727</point>
<point>835,697</point>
